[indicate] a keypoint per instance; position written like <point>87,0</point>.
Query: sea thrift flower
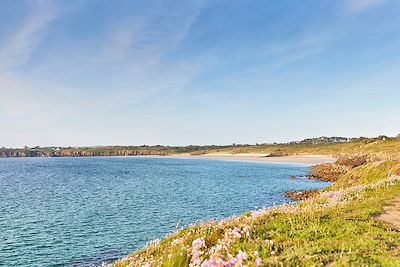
<point>196,252</point>
<point>246,231</point>
<point>241,257</point>
<point>177,241</point>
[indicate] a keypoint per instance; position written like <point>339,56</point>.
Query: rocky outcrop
<point>327,172</point>
<point>331,172</point>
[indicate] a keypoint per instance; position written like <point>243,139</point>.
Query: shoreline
<point>308,160</point>
<point>304,160</point>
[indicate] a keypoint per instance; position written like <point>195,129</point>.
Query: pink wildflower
<point>241,257</point>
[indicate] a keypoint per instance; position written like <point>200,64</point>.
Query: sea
<point>89,211</point>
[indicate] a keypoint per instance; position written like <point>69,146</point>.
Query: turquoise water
<point>85,211</point>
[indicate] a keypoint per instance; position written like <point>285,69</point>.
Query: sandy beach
<point>307,159</point>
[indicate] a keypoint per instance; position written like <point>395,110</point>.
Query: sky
<point>86,73</point>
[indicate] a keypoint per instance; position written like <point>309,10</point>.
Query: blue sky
<point>197,72</point>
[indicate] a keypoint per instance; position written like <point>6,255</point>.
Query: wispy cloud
<point>21,96</point>
<point>355,6</point>
<point>137,48</point>
<point>129,53</point>
<point>18,95</point>
<point>252,69</point>
<point>20,46</point>
<point>132,40</point>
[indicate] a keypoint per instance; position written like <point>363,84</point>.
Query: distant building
<point>323,140</point>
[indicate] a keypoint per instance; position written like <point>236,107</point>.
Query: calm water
<point>84,211</point>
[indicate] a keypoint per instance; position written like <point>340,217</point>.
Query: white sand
<point>307,159</point>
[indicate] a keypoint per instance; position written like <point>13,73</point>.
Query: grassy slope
<point>368,173</point>
<point>378,148</point>
<point>336,229</point>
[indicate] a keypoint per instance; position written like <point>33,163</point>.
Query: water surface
<point>85,211</point>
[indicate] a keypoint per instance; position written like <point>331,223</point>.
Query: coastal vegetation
<point>378,147</point>
<point>100,151</point>
<point>374,148</point>
<point>338,226</point>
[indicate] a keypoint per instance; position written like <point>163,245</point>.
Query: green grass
<point>368,173</point>
<point>339,236</point>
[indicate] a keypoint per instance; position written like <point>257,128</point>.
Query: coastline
<point>260,158</point>
<point>308,160</point>
<point>338,210</point>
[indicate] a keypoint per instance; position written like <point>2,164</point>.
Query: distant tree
<point>398,136</point>
<point>383,137</point>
